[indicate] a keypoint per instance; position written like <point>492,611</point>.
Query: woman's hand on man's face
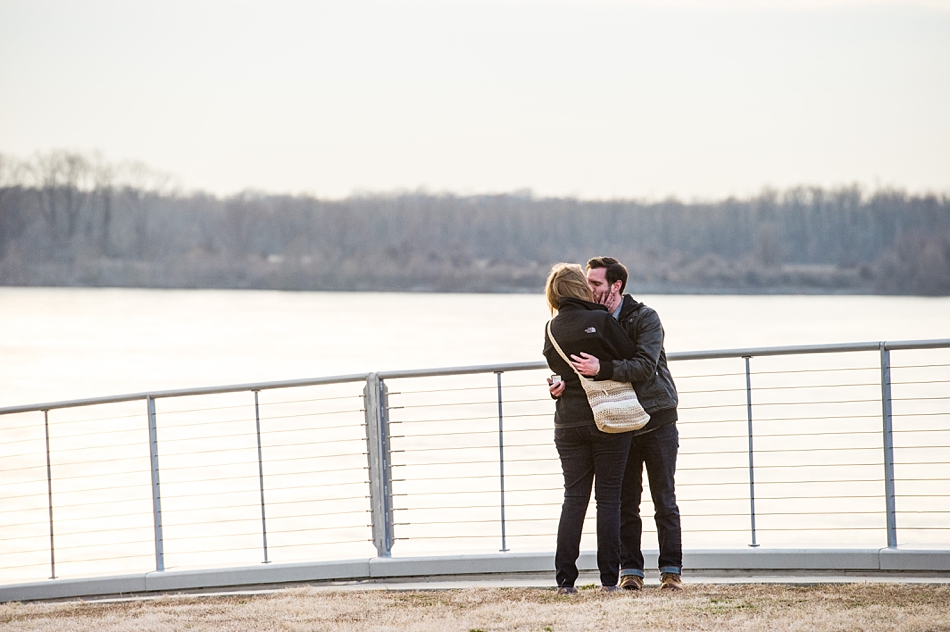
<point>611,300</point>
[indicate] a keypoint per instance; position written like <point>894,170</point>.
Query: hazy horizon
<point>594,100</point>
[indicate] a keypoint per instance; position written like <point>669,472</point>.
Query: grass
<point>745,608</point>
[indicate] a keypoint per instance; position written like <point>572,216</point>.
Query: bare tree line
<point>68,219</point>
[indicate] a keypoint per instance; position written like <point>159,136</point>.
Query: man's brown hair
<point>566,280</point>
<point>616,271</point>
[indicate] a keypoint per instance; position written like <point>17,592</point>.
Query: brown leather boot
<point>631,582</point>
<point>671,582</point>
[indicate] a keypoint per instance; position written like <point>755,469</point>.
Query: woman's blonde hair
<point>566,280</point>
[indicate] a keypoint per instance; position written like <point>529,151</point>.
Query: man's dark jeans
<point>657,450</point>
<point>590,457</point>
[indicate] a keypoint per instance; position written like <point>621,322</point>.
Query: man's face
<point>597,280</point>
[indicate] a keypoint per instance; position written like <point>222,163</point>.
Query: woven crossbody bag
<point>615,404</point>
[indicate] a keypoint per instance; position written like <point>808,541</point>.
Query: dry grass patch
<point>748,607</point>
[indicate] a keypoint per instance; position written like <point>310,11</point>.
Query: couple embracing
<point>601,333</point>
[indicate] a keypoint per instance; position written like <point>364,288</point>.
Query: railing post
<point>260,470</point>
<point>748,399</point>
<point>889,498</point>
<point>380,472</point>
<point>156,487</point>
<point>501,461</point>
<point>49,492</point>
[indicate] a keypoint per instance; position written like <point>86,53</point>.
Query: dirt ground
<point>746,607</point>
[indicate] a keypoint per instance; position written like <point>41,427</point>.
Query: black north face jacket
<point>582,326</point>
<point>646,369</point>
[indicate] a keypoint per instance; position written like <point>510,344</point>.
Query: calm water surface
<point>58,344</point>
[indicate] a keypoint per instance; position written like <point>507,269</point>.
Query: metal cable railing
<point>802,446</point>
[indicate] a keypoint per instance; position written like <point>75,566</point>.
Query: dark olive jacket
<point>646,368</point>
<point>588,327</point>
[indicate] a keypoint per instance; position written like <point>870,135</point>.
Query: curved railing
<point>808,447</point>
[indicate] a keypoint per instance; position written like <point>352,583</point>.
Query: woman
<point>588,456</point>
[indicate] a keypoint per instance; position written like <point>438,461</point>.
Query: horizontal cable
<point>495,461</point>
<point>257,519</point>
<point>921,447</point>
<point>256,491</point>
<point>823,370</point>
<point>492,506</point>
<point>139,457</point>
<point>143,444</point>
<point>61,520</point>
<point>60,563</point>
<point>807,403</point>
<point>756,389</point>
<point>783,450</point>
<point>271,519</point>
<point>928,382</point>
<point>758,498</point>
<point>692,515</point>
<point>919,366</point>
<point>270,431</point>
<point>143,430</point>
<point>55,423</point>
<point>268,446</point>
<point>76,477</point>
<point>492,402</point>
<point>253,461</point>
<point>310,500</point>
<point>347,411</point>
<point>459,389</point>
<point>796,482</point>
<point>251,420</point>
<point>472,478</point>
<point>792,466</point>
<point>470,447</point>
<point>25,468</point>
<point>708,375</point>
<point>85,435</point>
<point>713,390</point>
<point>73,547</point>
<point>481,418</point>
<point>743,420</point>
<point>268,404</point>
<point>761,435</point>
<point>879,512</point>
<point>269,476</point>
<point>289,546</point>
<point>43,492</point>
<point>472,433</point>
<point>273,475</point>
<point>268,489</point>
<point>485,491</point>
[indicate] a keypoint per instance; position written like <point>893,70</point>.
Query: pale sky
<point>597,99</point>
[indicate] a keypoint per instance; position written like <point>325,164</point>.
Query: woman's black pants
<point>590,458</point>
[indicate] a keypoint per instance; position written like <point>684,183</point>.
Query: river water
<point>65,343</point>
<point>819,471</point>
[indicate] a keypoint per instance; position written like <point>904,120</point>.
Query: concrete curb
<point>769,562</point>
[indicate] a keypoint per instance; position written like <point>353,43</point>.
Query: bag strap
<point>558,347</point>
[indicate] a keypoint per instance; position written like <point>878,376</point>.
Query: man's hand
<point>557,389</point>
<point>586,364</point>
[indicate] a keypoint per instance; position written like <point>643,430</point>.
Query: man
<point>656,444</point>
